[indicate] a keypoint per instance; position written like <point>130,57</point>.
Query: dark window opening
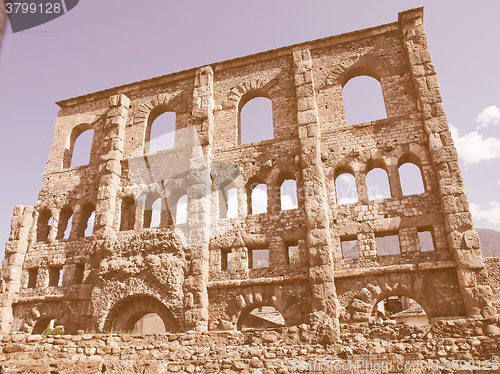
<point>226,260</point>
<point>79,273</point>
<point>55,276</point>
<point>45,222</point>
<point>32,275</point>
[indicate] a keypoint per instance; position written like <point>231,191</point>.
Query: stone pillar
<point>12,266</point>
<point>111,157</point>
<point>462,238</point>
<point>324,298</point>
<point>199,203</point>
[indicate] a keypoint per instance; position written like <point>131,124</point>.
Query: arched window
<point>400,309</point>
<point>410,176</point>
<point>255,118</point>
<point>79,146</point>
<point>257,194</point>
<point>65,223</point>
<point>160,132</point>
<point>377,182</point>
<point>128,208</point>
<point>228,201</point>
<point>363,100</point>
<point>288,193</point>
<point>152,211</point>
<point>44,225</point>
<point>86,220</point>
<point>345,186</point>
<point>181,210</point>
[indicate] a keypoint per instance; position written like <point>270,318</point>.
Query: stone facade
<point>127,269</point>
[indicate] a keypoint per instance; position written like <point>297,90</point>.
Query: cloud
<point>259,199</point>
<point>488,116</point>
<point>490,214</point>
<point>473,147</point>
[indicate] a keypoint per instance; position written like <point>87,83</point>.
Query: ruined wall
<point>449,346</point>
<point>127,268</point>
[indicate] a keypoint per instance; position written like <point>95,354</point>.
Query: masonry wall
<point>127,269</point>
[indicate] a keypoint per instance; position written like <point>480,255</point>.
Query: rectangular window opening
<point>258,258</point>
<point>387,244</point>
<point>226,260</point>
<point>293,254</point>
<point>426,240</point>
<point>32,275</point>
<point>79,272</point>
<point>55,278</point>
<point>350,247</point>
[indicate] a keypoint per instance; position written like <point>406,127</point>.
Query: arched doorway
<point>400,309</point>
<point>136,312</point>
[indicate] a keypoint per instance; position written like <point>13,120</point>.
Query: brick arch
<point>369,64</point>
<point>255,297</point>
<point>249,90</point>
<point>126,312</point>
<point>411,285</point>
<point>40,314</point>
<point>162,102</point>
<point>74,134</point>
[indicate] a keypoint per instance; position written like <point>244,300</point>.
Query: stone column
<point>12,266</point>
<point>324,298</point>
<point>462,238</point>
<point>111,157</point>
<point>199,203</point>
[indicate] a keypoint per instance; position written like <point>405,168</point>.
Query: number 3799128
<point>43,8</point>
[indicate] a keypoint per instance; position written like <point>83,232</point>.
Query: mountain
<point>490,242</point>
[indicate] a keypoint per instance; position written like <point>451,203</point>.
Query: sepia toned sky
<point>102,44</point>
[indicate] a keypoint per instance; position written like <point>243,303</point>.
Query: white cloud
<point>490,214</point>
<point>488,116</point>
<point>473,147</point>
<point>346,178</point>
<point>287,202</point>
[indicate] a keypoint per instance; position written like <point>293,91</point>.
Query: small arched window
<point>86,220</point>
<point>160,133</point>
<point>181,210</point>
<point>288,194</point>
<point>65,223</point>
<point>44,224</point>
<point>363,100</point>
<point>377,182</point>
<point>228,201</point>
<point>411,179</point>
<point>79,146</point>
<point>128,209</point>
<point>345,186</point>
<point>255,118</point>
<point>257,197</point>
<point>152,211</point>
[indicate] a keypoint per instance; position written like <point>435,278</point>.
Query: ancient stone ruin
<point>177,232</point>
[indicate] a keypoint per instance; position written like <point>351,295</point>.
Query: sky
<point>102,44</point>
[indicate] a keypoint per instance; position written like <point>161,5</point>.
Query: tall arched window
<point>363,100</point>
<point>160,132</point>
<point>377,182</point>
<point>257,197</point>
<point>65,223</point>
<point>79,146</point>
<point>44,224</point>
<point>181,210</point>
<point>152,211</point>
<point>255,118</point>
<point>411,179</point>
<point>86,220</point>
<point>128,208</point>
<point>345,186</point>
<point>228,201</point>
<point>288,194</point>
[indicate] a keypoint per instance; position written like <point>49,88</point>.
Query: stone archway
<point>124,315</point>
